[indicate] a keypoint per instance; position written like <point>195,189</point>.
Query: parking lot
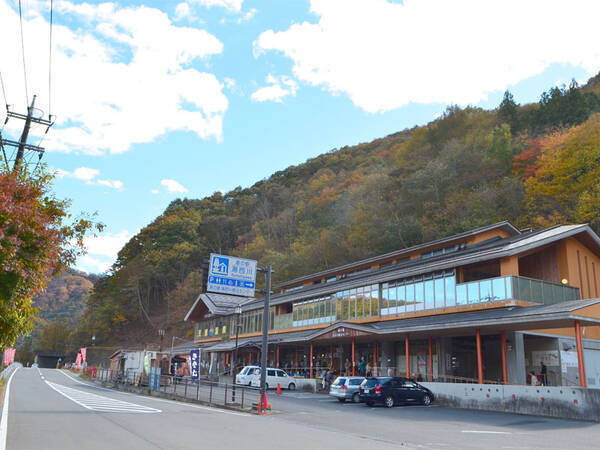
<point>430,427</point>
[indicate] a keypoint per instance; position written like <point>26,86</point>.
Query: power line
<point>23,52</point>
<point>50,65</point>
<point>3,91</point>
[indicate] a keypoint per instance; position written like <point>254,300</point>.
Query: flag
<point>83,352</point>
<point>78,361</point>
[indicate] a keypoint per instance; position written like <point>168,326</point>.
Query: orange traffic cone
<point>278,388</point>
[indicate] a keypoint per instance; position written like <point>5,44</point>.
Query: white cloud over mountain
<point>385,54</point>
<point>89,176</point>
<point>121,75</point>
<point>102,251</point>
<point>173,186</point>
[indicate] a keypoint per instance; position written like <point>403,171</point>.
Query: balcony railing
<point>514,288</point>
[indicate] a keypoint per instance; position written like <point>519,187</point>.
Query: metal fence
<point>243,398</point>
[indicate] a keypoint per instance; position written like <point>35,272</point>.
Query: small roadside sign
<point>194,363</point>
<point>231,275</point>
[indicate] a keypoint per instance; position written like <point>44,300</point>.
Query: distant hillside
<point>535,165</point>
<point>65,297</point>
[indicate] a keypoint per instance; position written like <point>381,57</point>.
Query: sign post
<point>230,275</point>
<point>194,363</point>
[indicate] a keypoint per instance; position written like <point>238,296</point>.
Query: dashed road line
<point>99,403</point>
<point>485,432</point>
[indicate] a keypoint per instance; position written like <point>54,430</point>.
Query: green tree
<point>507,110</point>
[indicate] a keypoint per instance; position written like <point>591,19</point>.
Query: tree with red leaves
<point>38,238</point>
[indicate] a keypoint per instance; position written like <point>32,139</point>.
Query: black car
<point>391,391</point>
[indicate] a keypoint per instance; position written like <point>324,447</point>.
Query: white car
<point>246,374</point>
<point>274,377</point>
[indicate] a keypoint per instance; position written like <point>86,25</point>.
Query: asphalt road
<point>49,409</point>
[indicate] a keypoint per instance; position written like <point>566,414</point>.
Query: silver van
<point>346,388</point>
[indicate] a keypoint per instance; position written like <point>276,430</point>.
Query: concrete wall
<point>563,402</point>
<point>306,384</point>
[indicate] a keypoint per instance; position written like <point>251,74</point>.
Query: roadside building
<point>489,305</point>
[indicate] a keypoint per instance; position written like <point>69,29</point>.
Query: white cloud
<point>231,5</point>
<point>89,176</point>
<point>121,75</point>
<point>384,54</point>
<point>173,186</point>
<point>85,173</point>
<point>115,184</point>
<point>278,89</point>
<point>102,251</point>
<point>155,191</point>
<point>182,11</point>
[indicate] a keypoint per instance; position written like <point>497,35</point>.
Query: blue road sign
<point>231,275</point>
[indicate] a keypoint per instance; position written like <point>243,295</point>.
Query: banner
<point>83,352</point>
<point>78,361</point>
<point>195,363</point>
<point>9,356</point>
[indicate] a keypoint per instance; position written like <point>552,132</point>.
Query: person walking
<point>362,367</point>
<point>348,367</point>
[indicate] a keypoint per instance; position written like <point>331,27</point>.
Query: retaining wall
<point>553,401</point>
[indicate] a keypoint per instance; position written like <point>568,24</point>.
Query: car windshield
<point>372,382</point>
<point>339,381</point>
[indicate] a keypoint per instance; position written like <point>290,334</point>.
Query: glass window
<point>410,297</point>
<point>393,300</point>
<point>419,296</point>
<point>439,293</point>
<point>429,295</point>
<point>499,288</point>
<point>384,299</point>
<point>270,373</point>
<point>374,299</point>
<point>473,292</point>
<point>450,283</point>
<point>401,299</point>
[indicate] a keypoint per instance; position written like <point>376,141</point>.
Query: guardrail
<point>213,393</point>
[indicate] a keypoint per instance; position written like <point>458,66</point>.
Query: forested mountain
<point>65,297</point>
<point>535,165</point>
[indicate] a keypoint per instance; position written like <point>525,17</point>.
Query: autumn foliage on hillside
<point>534,165</point>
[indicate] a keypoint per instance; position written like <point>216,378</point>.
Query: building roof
<point>510,318</point>
<point>218,304</point>
<point>484,251</point>
<point>504,225</point>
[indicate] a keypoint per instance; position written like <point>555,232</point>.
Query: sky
<point>157,100</point>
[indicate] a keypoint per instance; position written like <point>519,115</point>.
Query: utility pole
<point>267,270</point>
<point>22,144</point>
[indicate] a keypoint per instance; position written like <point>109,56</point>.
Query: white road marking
<point>99,403</point>
<point>485,432</point>
<point>206,408</point>
<point>4,417</point>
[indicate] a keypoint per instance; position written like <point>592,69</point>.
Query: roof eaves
<point>504,224</point>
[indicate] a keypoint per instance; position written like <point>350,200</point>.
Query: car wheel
<point>356,398</point>
<point>427,400</point>
<point>292,387</point>
<point>389,401</point>
<point>369,404</point>
<point>342,400</point>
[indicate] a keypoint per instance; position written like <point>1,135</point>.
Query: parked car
<point>245,376</point>
<point>346,388</point>
<point>274,376</point>
<point>391,391</point>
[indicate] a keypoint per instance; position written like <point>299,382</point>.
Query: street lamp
<point>238,314</point>
<point>161,333</point>
<point>93,340</point>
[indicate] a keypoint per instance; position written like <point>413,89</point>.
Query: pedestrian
<point>347,366</point>
<point>543,374</point>
<point>362,367</point>
<point>390,370</point>
<point>534,378</point>
<point>369,369</point>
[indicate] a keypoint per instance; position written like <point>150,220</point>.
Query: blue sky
<point>157,100</point>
